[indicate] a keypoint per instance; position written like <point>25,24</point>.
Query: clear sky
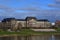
<point>42,9</point>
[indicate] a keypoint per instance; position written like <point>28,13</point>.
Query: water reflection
<point>32,37</point>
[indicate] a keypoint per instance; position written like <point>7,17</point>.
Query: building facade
<point>33,22</point>
<point>29,22</point>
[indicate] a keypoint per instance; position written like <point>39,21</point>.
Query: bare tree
<point>19,26</point>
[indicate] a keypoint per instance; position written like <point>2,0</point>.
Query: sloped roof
<point>20,19</point>
<point>28,18</point>
<point>42,20</point>
<point>8,19</point>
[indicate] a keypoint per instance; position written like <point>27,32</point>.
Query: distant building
<point>57,23</point>
<point>0,25</point>
<point>29,22</point>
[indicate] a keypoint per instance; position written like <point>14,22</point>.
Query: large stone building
<point>29,22</point>
<point>33,22</point>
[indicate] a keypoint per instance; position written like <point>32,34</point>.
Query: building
<point>33,22</point>
<point>29,22</point>
<point>57,23</point>
<point>9,23</point>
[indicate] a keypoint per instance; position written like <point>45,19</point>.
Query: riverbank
<point>28,32</point>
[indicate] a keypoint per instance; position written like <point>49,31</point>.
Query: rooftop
<point>8,19</point>
<point>27,18</point>
<point>20,19</point>
<point>42,20</point>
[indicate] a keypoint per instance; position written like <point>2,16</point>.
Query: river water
<point>31,37</point>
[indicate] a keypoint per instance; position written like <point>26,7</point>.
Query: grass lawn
<point>28,32</point>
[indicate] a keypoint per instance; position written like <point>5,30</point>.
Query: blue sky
<point>42,9</point>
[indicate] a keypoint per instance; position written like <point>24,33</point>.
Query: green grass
<point>58,29</point>
<point>28,32</point>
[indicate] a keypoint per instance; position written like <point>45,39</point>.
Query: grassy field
<point>28,32</point>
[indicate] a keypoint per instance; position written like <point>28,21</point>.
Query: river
<point>31,37</point>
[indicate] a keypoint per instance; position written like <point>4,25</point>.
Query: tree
<point>19,26</point>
